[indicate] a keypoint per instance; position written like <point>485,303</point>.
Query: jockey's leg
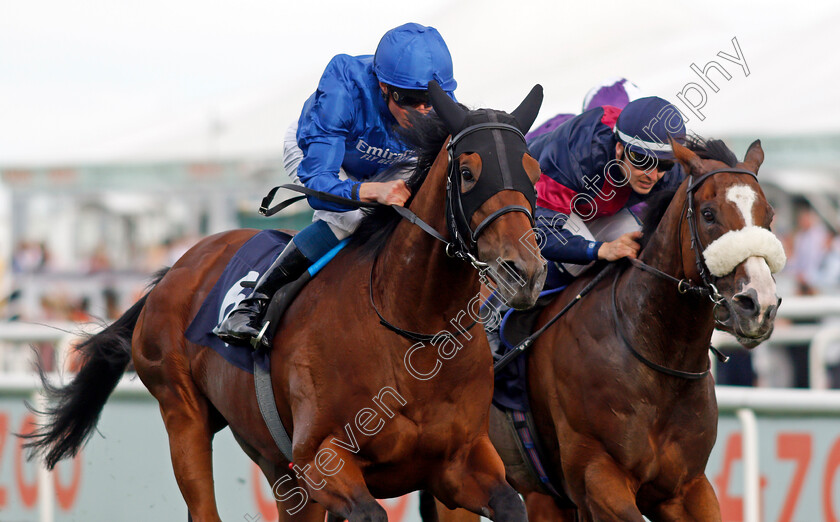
<point>245,321</point>
<point>475,480</point>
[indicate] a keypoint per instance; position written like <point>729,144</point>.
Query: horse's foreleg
<point>444,514</point>
<point>291,506</point>
<point>338,484</point>
<point>477,482</point>
<point>543,508</point>
<point>697,502</point>
<point>606,492</point>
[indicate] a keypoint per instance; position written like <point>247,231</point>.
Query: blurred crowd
<point>813,268</point>
<point>99,293</point>
<point>97,288</point>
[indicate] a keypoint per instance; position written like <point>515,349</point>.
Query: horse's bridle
<point>460,207</point>
<point>707,279</point>
<point>464,240</point>
<point>683,285</point>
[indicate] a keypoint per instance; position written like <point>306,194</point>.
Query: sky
<point>93,80</point>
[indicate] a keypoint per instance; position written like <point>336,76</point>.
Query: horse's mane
<point>426,136</point>
<point>711,149</point>
<point>657,204</point>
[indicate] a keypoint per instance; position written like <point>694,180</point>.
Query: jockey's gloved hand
<point>388,193</point>
<point>627,245</point>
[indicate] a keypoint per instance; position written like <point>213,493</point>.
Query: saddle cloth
<point>253,258</point>
<point>511,390</point>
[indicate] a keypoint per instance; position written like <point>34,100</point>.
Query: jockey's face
<point>401,114</point>
<point>641,180</point>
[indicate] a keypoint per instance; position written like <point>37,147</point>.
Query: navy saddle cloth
<point>252,259</point>
<point>511,389</point>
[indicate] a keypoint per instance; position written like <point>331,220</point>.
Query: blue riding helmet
<point>411,55</point>
<point>645,125</point>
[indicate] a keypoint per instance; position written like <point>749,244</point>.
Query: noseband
<point>683,285</point>
<point>495,177</point>
<point>707,279</point>
<point>696,245</point>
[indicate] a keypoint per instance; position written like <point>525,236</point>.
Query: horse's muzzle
<point>518,283</point>
<point>750,321</point>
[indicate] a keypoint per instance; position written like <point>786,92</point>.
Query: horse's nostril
<point>514,271</point>
<point>746,303</point>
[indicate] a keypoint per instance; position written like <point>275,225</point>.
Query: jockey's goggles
<point>642,161</point>
<point>409,97</point>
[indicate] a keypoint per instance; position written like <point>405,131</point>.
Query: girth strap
<point>532,450</point>
<point>268,409</point>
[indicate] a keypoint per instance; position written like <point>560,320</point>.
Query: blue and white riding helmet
<point>645,125</point>
<point>411,55</point>
<point>617,92</point>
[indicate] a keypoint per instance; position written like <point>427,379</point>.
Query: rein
<point>464,240</point>
<point>692,376</point>
<point>686,285</point>
<point>528,341</point>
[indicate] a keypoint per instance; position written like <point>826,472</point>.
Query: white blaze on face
<point>743,197</point>
<point>760,280</point>
<point>759,277</point>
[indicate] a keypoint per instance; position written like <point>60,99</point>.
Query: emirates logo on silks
<point>380,155</point>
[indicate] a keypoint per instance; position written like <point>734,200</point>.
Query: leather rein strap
<point>693,376</point>
<point>686,285</point>
<point>460,247</point>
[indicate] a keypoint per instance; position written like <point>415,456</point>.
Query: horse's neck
<point>667,326</point>
<point>414,279</point>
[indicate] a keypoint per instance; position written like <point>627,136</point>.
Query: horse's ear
<point>754,157</point>
<point>690,161</point>
<point>451,113</point>
<point>527,111</point>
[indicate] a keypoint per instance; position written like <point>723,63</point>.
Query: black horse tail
<point>74,409</point>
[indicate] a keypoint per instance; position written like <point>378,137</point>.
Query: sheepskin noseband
<point>736,246</point>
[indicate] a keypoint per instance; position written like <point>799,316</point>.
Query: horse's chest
<point>673,454</point>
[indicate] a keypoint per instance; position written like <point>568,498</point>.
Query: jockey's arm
<point>561,245</point>
<point>316,172</point>
<point>319,171</point>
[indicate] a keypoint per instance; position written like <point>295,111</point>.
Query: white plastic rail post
<point>46,495</point>
<point>749,449</point>
<point>817,376</point>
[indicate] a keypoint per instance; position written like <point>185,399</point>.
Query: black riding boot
<point>245,321</point>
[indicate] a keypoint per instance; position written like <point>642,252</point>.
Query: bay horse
<point>619,387</point>
<point>332,361</point>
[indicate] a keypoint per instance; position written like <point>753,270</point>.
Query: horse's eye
<point>467,174</point>
<point>708,215</point>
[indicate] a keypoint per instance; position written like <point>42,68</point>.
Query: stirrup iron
<point>260,340</point>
